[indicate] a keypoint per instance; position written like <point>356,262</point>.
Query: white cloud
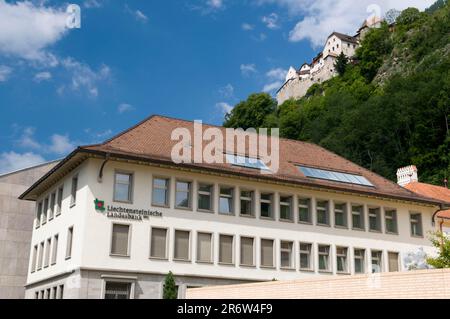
<point>27,29</point>
<point>271,21</point>
<point>92,4</point>
<point>12,161</point>
<point>247,69</point>
<point>224,107</point>
<point>5,72</point>
<point>124,107</point>
<point>83,77</point>
<point>227,91</point>
<point>273,86</point>
<point>42,76</point>
<point>215,4</point>
<point>140,16</point>
<point>247,26</point>
<point>59,144</point>
<point>321,17</point>
<point>276,74</point>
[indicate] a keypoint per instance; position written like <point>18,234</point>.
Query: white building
<point>114,218</point>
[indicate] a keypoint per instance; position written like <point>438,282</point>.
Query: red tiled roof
<point>151,140</point>
<point>444,214</point>
<point>428,190</point>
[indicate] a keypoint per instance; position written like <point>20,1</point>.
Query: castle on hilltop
<point>322,67</point>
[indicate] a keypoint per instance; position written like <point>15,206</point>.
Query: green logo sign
<point>99,205</point>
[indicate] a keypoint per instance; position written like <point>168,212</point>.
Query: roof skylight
<point>334,176</point>
<point>244,161</point>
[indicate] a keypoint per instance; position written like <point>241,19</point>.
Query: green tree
<point>170,289</point>
<point>341,63</point>
<point>442,243</point>
<point>251,112</point>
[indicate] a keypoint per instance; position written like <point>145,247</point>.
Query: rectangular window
<point>286,208</point>
<point>226,200</point>
<point>69,243</point>
<point>182,245</point>
<point>376,261</point>
<point>158,244</point>
<point>61,292</point>
<point>54,292</point>
<point>247,251</point>
<point>286,254</point>
<point>267,255</point>
<point>359,261</point>
<point>59,201</point>
<point>304,210</point>
<point>246,200</point>
<point>390,217</point>
<point>183,194</point>
<point>117,290</point>
<point>416,224</point>
<point>324,258</point>
<point>120,240</point>
<point>266,205</point>
<point>52,206</point>
<point>357,217</point>
<point>205,195</point>
<point>374,219</point>
<point>160,195</point>
<point>226,244</point>
<point>47,293</point>
<point>47,253</point>
<point>39,214</point>
<point>36,295</point>
<point>41,256</point>
<point>204,247</point>
<point>305,256</point>
<point>340,214</point>
<point>34,259</point>
<point>322,213</point>
<point>55,249</point>
<point>123,187</point>
<point>341,259</point>
<point>73,192</point>
<point>44,212</point>
<point>393,262</point>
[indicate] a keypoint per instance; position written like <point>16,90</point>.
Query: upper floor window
<point>55,249</point>
<point>59,201</point>
<point>34,259</point>
<point>39,214</point>
<point>120,240</point>
<point>340,214</point>
<point>47,253</point>
<point>52,205</point>
<point>286,208</point>
<point>160,195</point>
<point>69,243</point>
<point>306,256</point>
<point>390,217</point>
<point>374,219</point>
<point>73,192</point>
<point>304,210</point>
<point>286,254</point>
<point>183,194</point>
<point>246,200</point>
<point>359,255</point>
<point>322,213</point>
<point>357,217</point>
<point>226,200</point>
<point>123,187</point>
<point>416,224</point>
<point>266,205</point>
<point>44,211</point>
<point>205,195</point>
<point>40,256</point>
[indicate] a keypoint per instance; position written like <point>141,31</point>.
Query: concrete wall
<point>16,225</point>
<point>413,284</point>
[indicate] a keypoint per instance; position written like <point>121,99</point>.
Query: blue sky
<point>62,87</point>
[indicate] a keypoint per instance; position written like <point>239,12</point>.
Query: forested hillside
<point>389,108</point>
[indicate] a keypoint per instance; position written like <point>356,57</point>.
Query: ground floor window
<point>117,290</point>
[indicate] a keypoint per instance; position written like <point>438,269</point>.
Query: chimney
<point>407,175</point>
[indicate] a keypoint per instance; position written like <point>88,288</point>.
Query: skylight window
<point>334,176</point>
<point>244,161</point>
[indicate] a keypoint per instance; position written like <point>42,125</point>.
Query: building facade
<point>16,227</point>
<point>113,219</point>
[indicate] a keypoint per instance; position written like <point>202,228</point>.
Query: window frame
<point>197,259</point>
<point>329,258</point>
<point>74,189</point>
<point>344,212</point>
<point>271,202</point>
<point>380,260</point>
<point>111,254</point>
<point>39,208</point>
<point>253,265</point>
<point>52,205</point>
<point>310,258</point>
<point>309,206</point>
<point>274,261</point>
<point>290,205</point>
<point>252,202</point>
<point>394,219</point>
<point>361,214</point>
<point>291,252</point>
<point>174,258</point>
<point>34,258</point>
<point>419,223</point>
<point>346,271</point>
<point>69,252</point>
<point>168,188</point>
<point>190,194</point>
<point>379,217</point>
<point>55,244</point>
<point>364,257</point>
<point>47,254</point>
<point>45,210</point>
<point>211,197</point>
<point>398,261</point>
<point>327,212</point>
<point>59,200</point>
<point>131,282</point>
<point>166,243</point>
<point>233,196</point>
<point>233,250</point>
<point>130,189</point>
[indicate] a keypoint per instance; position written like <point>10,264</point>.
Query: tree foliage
<point>380,125</point>
<point>170,289</point>
<point>442,243</point>
<point>341,63</point>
